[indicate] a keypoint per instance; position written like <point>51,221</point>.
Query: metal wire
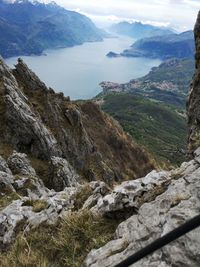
<point>162,241</point>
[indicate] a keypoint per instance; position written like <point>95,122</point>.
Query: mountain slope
<point>90,224</point>
<point>167,83</point>
<point>139,30</point>
<point>194,96</point>
<point>30,27</point>
<point>158,127</point>
<point>164,47</point>
<point>43,124</point>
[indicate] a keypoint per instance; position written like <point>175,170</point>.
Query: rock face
<point>47,126</point>
<point>194,96</point>
<point>49,146</point>
<point>160,213</point>
<point>157,204</point>
<point>25,202</point>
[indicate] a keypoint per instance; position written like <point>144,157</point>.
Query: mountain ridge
<point>34,27</point>
<point>163,47</point>
<point>139,30</point>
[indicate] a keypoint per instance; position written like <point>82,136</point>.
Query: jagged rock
<point>180,202</point>
<point>130,195</point>
<point>193,103</point>
<point>19,164</point>
<point>4,166</point>
<point>6,181</point>
<point>44,124</point>
<point>28,77</point>
<point>26,128</point>
<point>63,174</point>
<point>100,189</point>
<point>21,212</point>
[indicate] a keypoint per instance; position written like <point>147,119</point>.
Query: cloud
<point>180,14</point>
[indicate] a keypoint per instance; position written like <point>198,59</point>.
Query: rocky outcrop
<point>63,174</point>
<point>47,126</point>
<point>49,147</point>
<point>127,197</point>
<point>160,213</point>
<point>25,202</point>
<point>194,97</point>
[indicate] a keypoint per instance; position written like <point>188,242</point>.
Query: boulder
<point>63,174</point>
<point>178,203</point>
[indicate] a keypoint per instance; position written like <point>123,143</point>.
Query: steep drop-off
<point>90,225</point>
<point>194,96</point>
<point>29,27</point>
<point>44,124</point>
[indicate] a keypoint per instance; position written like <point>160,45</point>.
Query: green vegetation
<point>65,244</point>
<point>159,127</point>
<point>164,47</point>
<point>177,71</point>
<point>38,204</point>
<point>7,199</point>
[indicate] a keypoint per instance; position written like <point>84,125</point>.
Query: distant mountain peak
<point>30,26</point>
<point>138,29</point>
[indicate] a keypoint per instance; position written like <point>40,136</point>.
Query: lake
<point>77,71</point>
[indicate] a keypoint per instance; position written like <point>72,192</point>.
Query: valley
<point>99,133</point>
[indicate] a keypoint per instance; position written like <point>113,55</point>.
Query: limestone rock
<point>180,202</point>
<point>6,181</point>
<point>194,96</point>
<point>19,164</point>
<point>63,174</point>
<point>21,212</point>
<point>4,166</point>
<point>44,124</point>
<point>126,198</point>
<point>100,189</point>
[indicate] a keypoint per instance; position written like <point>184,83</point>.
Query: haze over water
<point>77,71</point>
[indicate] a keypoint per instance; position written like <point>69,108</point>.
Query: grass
<point>63,245</point>
<point>156,126</point>
<point>7,199</point>
<point>81,196</point>
<point>38,204</point>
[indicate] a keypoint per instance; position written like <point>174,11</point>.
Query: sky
<point>178,14</point>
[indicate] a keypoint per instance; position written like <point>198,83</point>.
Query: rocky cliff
<point>43,124</point>
<point>53,215</point>
<point>49,144</point>
<point>194,96</point>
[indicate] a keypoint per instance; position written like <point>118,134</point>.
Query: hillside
<point>159,127</point>
<point>164,47</point>
<point>63,216</point>
<point>138,30</point>
<point>180,46</point>
<point>81,134</point>
<point>167,83</point>
<point>28,28</point>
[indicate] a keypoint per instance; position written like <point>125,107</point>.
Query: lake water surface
<point>77,71</point>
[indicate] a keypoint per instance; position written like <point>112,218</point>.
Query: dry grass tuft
<point>38,204</point>
<point>81,196</point>
<point>63,245</point>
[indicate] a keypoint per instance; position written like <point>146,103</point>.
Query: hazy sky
<point>180,14</point>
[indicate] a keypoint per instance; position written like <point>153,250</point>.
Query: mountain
<point>86,222</point>
<point>152,108</point>
<point>159,127</point>
<point>164,47</point>
<point>194,97</point>
<point>31,27</point>
<point>139,30</point>
<point>167,83</point>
